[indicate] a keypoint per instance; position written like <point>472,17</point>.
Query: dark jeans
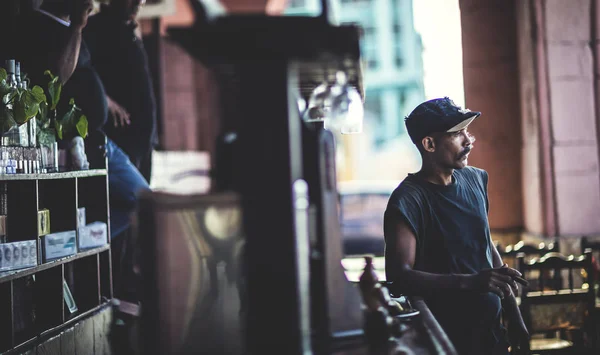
<point>125,182</point>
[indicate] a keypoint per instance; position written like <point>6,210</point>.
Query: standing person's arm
<point>400,258</point>
<point>119,114</point>
<point>62,62</point>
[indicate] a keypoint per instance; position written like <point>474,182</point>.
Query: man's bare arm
<point>64,60</point>
<point>400,258</point>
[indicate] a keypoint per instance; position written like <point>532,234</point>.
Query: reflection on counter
<point>354,266</point>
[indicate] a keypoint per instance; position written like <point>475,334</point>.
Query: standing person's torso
<point>41,36</point>
<point>119,57</point>
<point>87,89</point>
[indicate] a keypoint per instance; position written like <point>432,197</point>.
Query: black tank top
<point>453,237</point>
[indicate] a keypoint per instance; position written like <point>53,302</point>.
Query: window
<point>373,105</point>
<point>398,60</point>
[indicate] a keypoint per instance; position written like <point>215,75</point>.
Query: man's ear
<point>428,144</point>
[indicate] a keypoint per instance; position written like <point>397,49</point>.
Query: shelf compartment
<point>16,274</point>
<point>59,197</point>
<point>6,317</point>
<point>24,312</point>
<point>92,195</point>
<point>82,277</point>
<point>22,207</point>
<point>49,298</point>
<point>105,275</point>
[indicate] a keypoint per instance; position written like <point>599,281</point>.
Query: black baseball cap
<point>437,115</point>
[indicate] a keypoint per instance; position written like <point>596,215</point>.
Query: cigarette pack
<point>93,235</point>
<point>59,245</point>
<point>2,225</point>
<point>43,222</point>
<point>81,221</point>
<point>18,255</point>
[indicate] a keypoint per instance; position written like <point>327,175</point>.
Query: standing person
<point>437,236</point>
<point>52,39</point>
<point>119,57</point>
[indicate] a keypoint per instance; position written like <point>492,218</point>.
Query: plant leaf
<point>38,93</point>
<point>49,73</point>
<point>19,110</point>
<point>82,126</point>
<point>10,95</point>
<point>42,116</point>
<point>7,122</point>
<point>3,74</point>
<point>59,129</point>
<point>54,89</point>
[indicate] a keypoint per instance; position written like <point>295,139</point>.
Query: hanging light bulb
<point>347,111</point>
<point>319,104</point>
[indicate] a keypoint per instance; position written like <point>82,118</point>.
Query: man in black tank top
<point>437,236</point>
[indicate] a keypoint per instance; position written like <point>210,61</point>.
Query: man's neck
<point>435,174</point>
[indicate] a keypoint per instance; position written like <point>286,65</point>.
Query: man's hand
<point>119,114</point>
<point>518,337</point>
<point>499,281</point>
<point>79,13</point>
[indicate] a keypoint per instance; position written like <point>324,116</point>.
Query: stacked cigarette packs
<point>18,255</point>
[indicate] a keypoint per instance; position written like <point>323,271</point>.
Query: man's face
<point>128,9</point>
<point>452,149</point>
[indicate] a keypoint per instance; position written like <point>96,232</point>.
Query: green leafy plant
<point>52,126</point>
<point>72,123</point>
<point>54,89</point>
<point>18,105</point>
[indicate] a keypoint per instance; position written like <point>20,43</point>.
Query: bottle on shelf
<point>18,74</point>
<point>11,77</point>
<point>3,210</point>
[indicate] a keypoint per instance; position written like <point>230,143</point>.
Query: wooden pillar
<point>490,68</point>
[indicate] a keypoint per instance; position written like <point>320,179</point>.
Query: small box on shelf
<point>43,222</point>
<point>58,245</point>
<point>18,255</point>
<point>93,235</point>
<point>3,228</point>
<point>81,220</point>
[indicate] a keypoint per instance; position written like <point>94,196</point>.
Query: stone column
<point>560,132</point>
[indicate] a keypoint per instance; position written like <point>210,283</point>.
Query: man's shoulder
<point>473,176</point>
<point>473,171</point>
<point>408,188</point>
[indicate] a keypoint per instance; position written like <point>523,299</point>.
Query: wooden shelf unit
<point>32,306</point>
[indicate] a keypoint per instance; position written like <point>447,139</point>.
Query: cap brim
<point>464,123</point>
